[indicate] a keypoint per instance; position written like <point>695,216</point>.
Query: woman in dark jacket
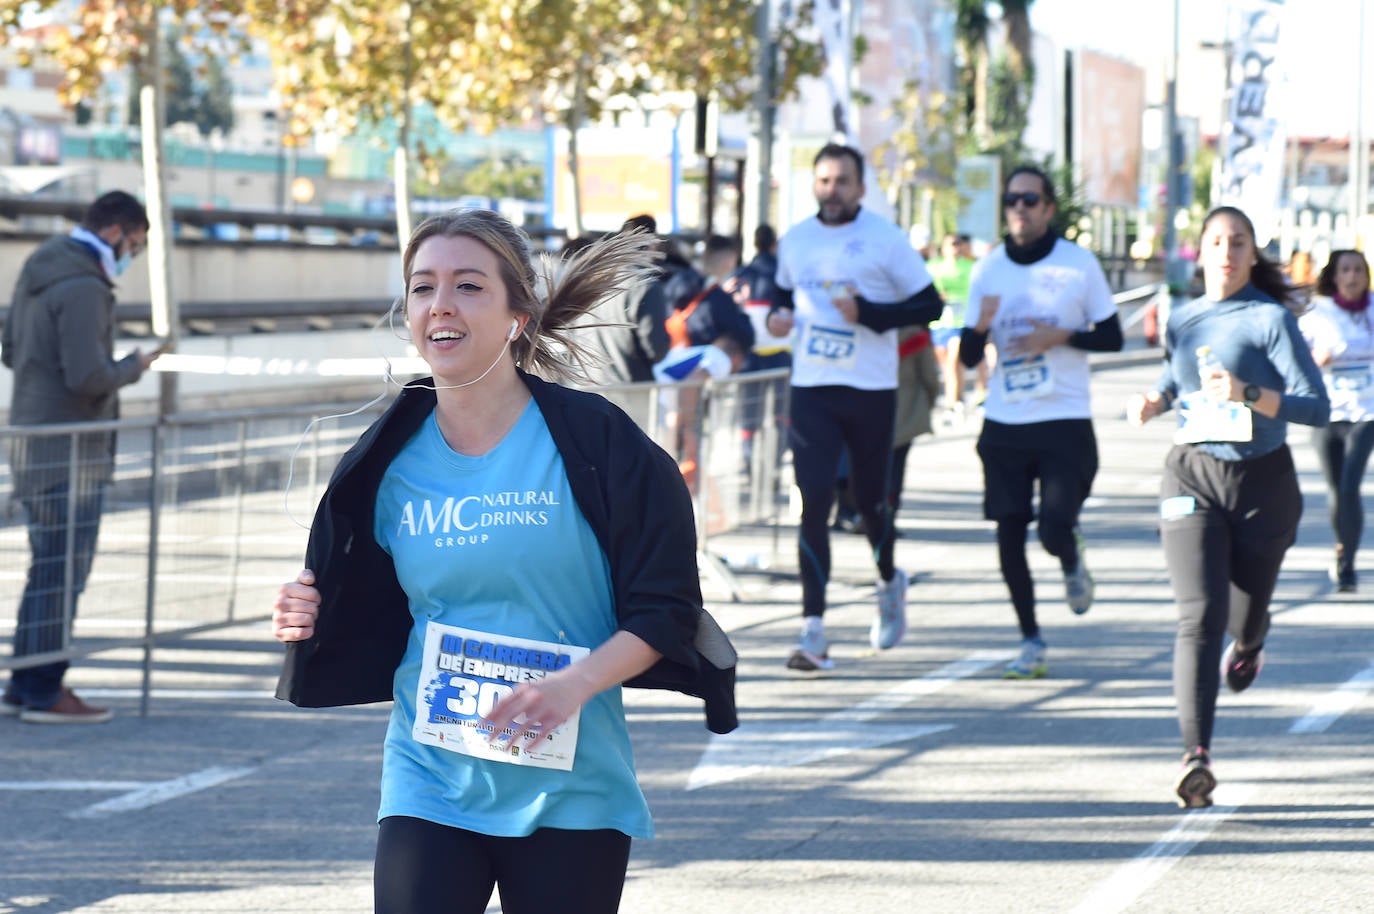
<point>497,554</point>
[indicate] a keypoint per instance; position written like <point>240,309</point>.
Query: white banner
<point>1254,139</point>
<point>833,19</point>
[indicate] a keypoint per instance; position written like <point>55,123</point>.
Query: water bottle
<point>1207,363</point>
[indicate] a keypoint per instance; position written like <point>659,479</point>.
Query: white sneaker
<point>1079,586</point>
<point>889,625</point>
<point>1029,663</point>
<point>813,651</point>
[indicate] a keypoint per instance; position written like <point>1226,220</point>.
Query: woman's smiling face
<point>457,307</point>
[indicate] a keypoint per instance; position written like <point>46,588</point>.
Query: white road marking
<point>1334,704</point>
<point>758,747</point>
<point>217,694</point>
<point>92,786</point>
<point>160,792</point>
<point>1131,881</point>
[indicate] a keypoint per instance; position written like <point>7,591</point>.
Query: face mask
<point>122,264</point>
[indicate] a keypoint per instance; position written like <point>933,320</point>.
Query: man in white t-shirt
<point>847,279</point>
<point>1045,304</point>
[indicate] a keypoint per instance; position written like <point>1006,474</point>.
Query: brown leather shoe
<point>68,709</point>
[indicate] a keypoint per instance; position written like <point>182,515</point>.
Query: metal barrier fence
<point>197,528</point>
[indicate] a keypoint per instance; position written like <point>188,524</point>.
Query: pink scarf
<point>1355,307</point>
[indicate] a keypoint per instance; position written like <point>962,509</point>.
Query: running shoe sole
<point>1195,787</point>
<point>1231,672</point>
<point>807,662</point>
<point>1035,672</point>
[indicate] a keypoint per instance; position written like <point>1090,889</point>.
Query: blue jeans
<point>48,606</point>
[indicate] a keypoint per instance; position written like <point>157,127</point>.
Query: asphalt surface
<point>912,780</point>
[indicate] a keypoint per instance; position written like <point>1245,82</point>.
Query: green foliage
<point>190,99</point>
<point>513,177</point>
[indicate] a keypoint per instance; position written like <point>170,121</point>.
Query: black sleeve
<point>971,344</point>
<point>1105,336</point>
<point>782,298</point>
<point>921,308</point>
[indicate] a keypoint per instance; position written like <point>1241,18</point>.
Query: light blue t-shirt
<point>497,544</point>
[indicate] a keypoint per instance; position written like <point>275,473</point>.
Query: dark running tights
<point>1224,549</point>
<point>1056,537</point>
<point>1343,449</point>
<point>827,421</point>
<point>426,868</point>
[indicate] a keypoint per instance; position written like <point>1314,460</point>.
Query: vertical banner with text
<point>1253,138</point>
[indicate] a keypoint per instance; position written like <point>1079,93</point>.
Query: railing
<point>195,533</point>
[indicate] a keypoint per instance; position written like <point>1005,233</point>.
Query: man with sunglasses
<point>59,341</point>
<point>1045,304</point>
<point>847,279</point>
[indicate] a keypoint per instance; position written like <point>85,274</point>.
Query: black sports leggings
<point>826,421</point>
<point>426,868</point>
<point>1343,449</point>
<point>1225,526</point>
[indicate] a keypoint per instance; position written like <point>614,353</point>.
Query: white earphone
<point>514,330</point>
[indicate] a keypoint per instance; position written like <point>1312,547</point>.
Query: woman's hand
<point>539,707</point>
<point>1141,408</point>
<point>296,608</point>
<point>1220,384</point>
<point>545,705</point>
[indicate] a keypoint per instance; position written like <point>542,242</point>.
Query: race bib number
<point>1352,377</point>
<point>1026,379</point>
<point>831,347</point>
<point>464,674</point>
<point>1203,418</point>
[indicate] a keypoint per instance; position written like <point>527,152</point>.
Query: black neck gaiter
<point>1038,249</point>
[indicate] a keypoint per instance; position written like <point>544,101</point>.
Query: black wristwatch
<point>1251,394</point>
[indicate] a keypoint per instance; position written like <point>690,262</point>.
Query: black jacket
<point>620,480</point>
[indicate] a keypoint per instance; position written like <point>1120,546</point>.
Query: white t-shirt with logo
<point>1349,337</point>
<point>869,256</point>
<point>1067,289</point>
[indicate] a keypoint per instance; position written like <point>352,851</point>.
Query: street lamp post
<point>1174,268</point>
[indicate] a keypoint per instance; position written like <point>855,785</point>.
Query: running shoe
<point>1078,584</point>
<point>1030,663</point>
<point>1240,669</point>
<point>1196,781</point>
<point>889,624</point>
<point>1347,582</point>
<point>812,653</point>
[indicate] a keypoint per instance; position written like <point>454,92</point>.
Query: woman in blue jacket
<point>496,555</point>
<point>1237,368</point>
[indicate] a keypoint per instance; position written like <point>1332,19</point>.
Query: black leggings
<point>825,422</point>
<point>1343,449</point>
<point>1061,456</point>
<point>1225,525</point>
<point>426,868</point>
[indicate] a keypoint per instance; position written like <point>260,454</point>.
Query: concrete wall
<point>247,273</point>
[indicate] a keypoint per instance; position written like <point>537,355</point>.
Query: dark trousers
<point>1060,456</point>
<point>1343,449</point>
<point>62,535</point>
<point>426,868</point>
<point>1226,525</point>
<point>827,421</point>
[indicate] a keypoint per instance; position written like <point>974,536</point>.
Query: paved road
<point>917,780</point>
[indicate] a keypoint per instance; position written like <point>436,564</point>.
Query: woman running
<point>1237,369</point>
<point>1339,332</point>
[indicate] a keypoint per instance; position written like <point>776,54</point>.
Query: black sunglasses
<point>1030,198</point>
